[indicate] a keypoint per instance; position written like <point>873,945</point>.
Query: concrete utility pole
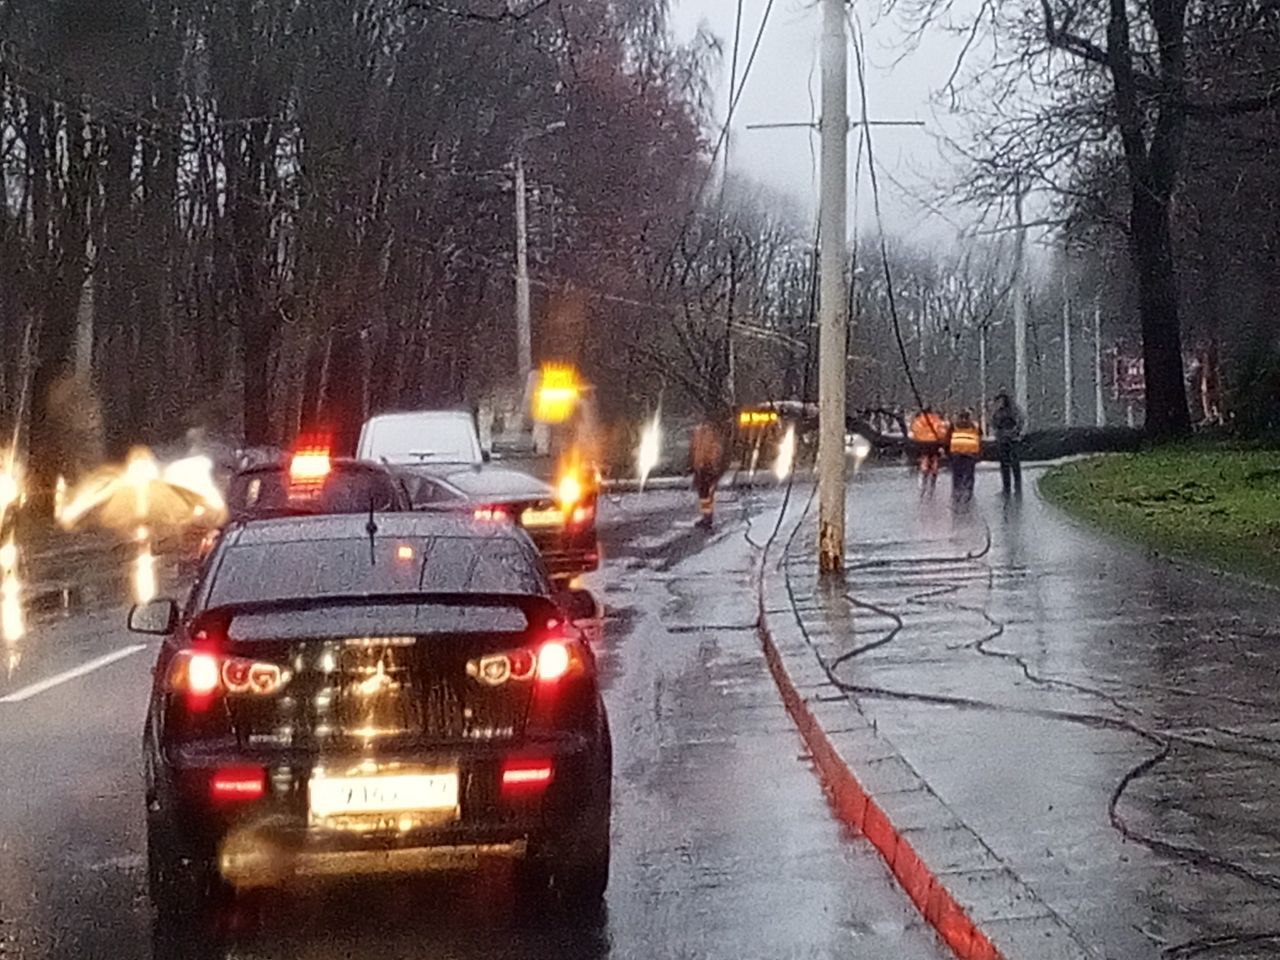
<point>983,402</point>
<point>1020,310</point>
<point>1068,392</point>
<point>1099,406</point>
<point>524,323</point>
<point>833,296</point>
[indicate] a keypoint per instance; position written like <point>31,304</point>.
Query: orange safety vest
<point>966,440</point>
<point>928,428</point>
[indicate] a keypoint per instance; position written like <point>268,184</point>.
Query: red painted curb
<point>854,807</point>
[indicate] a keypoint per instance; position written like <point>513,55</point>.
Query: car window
<point>432,439</point>
<point>351,568</point>
<point>263,493</point>
<point>378,622</point>
<point>423,491</point>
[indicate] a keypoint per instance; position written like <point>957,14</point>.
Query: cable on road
<point>1162,741</point>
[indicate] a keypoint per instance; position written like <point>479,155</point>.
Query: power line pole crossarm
<point>833,297</point>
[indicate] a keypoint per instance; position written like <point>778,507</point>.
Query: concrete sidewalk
<point>1080,742</point>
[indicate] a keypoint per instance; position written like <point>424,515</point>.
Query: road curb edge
<point>858,810</point>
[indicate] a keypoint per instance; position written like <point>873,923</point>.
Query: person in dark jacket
<point>1008,423</point>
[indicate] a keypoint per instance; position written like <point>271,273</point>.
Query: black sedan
<point>304,483</point>
<point>560,520</point>
<point>353,696</point>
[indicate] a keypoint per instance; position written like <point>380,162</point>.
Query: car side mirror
<point>583,612</point>
<point>158,618</point>
<point>580,605</point>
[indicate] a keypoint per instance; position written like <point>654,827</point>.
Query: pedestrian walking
<point>929,431</point>
<point>964,447</point>
<point>706,455</point>
<point>1008,423</point>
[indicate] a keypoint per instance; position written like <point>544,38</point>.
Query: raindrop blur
<point>860,447</point>
<point>650,448</point>
<point>786,459</point>
<point>144,569</point>
<point>13,623</point>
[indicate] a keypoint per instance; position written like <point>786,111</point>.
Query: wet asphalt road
<point>723,844</point>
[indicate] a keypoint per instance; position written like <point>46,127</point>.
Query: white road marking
<point>97,663</point>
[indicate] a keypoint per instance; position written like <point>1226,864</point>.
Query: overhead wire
<point>861,73</point>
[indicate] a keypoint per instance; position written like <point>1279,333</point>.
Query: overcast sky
<point>778,90</point>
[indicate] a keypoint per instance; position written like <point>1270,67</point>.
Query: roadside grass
<point>1213,504</point>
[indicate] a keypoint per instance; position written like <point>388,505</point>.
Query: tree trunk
<point>1151,246</point>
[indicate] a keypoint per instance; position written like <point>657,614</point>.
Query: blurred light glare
<point>650,448</point>
<point>144,569</point>
<point>557,395</point>
<point>13,625</point>
<point>860,447</point>
<point>786,459</point>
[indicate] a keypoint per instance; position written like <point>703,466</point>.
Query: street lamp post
<point>524,320</point>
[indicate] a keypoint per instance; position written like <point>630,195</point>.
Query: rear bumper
<point>273,841</point>
<point>259,864</point>
<point>562,564</point>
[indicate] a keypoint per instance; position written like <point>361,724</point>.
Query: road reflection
<point>441,917</point>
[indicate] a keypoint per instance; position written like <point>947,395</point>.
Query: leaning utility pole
<point>833,296</point>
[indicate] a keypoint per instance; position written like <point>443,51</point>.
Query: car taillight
<point>492,514</point>
<point>554,660</point>
<point>526,776</point>
<point>549,662</point>
<point>569,490</point>
<point>201,674</point>
<point>238,784</point>
<point>582,514</point>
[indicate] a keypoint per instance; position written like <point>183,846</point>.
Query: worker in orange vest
<point>706,455</point>
<point>929,431</point>
<point>964,446</point>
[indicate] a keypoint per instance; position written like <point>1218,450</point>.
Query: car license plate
<point>550,517</point>
<point>372,795</point>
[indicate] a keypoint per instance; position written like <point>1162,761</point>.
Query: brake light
<point>550,662</point>
<point>238,784</point>
<point>310,463</point>
<point>526,776</point>
<point>200,675</point>
<point>492,514</point>
<point>554,661</point>
<point>582,515</point>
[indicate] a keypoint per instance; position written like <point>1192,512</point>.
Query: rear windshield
<point>379,623</point>
<point>352,568</point>
<point>428,439</point>
<point>266,493</point>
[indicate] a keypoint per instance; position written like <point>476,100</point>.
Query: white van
<point>421,438</point>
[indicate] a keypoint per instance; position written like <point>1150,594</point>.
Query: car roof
<point>419,415</point>
<point>351,526</point>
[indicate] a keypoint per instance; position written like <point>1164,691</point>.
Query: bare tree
<point>1074,81</point>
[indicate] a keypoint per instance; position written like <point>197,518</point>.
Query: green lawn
<point>1216,505</point>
